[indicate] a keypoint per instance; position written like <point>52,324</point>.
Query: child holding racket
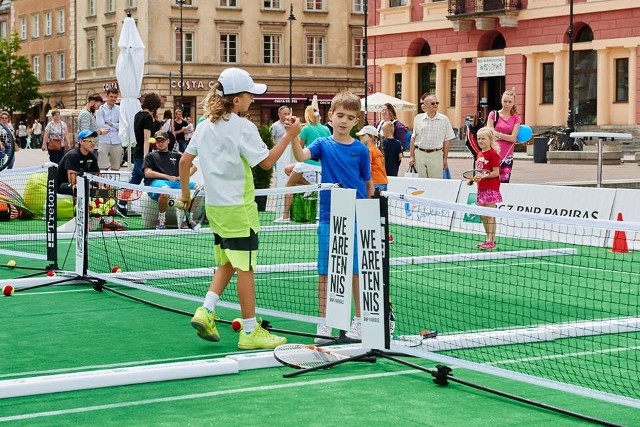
<point>228,146</point>
<point>345,161</point>
<point>487,177</point>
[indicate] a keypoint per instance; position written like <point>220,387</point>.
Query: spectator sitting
<point>161,170</point>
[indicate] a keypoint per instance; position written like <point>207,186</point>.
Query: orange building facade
<point>468,52</point>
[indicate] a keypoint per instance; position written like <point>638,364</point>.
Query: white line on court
<point>561,356</point>
<point>170,399</point>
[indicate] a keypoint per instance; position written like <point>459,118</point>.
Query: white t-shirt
<point>227,151</point>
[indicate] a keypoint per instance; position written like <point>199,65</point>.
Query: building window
<point>547,83</point>
<point>358,52</point>
<point>622,80</point>
<point>23,28</point>
<point>61,21</point>
<point>3,30</point>
<point>228,3</point>
<point>187,46</point>
<point>111,6</point>
<point>358,6</point>
<point>452,88</point>
<point>185,2</point>
<point>48,68</point>
<point>314,5</point>
<point>229,48</point>
<point>315,50</point>
<point>35,20</point>
<point>92,53</point>
<point>397,84</point>
<point>271,4</point>
<point>111,51</point>
<point>271,49</point>
<point>48,24</point>
<point>61,66</point>
<point>36,66</point>
<point>397,3</point>
<point>132,3</point>
<point>91,8</point>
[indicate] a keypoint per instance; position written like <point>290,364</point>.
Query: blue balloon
<point>524,134</point>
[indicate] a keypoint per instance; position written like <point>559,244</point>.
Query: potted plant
<point>261,177</point>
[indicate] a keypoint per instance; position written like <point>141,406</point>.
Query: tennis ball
<point>152,140</point>
<point>236,325</point>
<point>11,263</point>
<point>116,269</point>
<point>7,290</point>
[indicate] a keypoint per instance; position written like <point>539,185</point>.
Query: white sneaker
<point>323,330</point>
<point>281,220</point>
<point>354,332</point>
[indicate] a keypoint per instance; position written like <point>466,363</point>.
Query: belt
<point>429,150</point>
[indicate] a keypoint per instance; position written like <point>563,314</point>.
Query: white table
<point>602,137</point>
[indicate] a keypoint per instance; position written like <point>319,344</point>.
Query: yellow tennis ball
<point>152,140</point>
<point>11,263</point>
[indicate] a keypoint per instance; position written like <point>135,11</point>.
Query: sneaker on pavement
<point>112,226</point>
<point>281,220</point>
<point>204,322</point>
<point>487,246</point>
<point>323,330</point>
<point>354,332</point>
<point>259,338</point>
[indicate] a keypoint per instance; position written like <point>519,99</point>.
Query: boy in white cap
<point>228,146</point>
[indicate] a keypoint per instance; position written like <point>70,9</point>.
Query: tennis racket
<point>122,194</point>
<point>11,197</point>
<point>7,149</point>
<point>179,204</point>
<point>471,175</point>
<point>303,356</point>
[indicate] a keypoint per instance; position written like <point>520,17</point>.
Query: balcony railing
<point>460,8</point>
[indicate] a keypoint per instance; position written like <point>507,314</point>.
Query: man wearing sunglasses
<point>430,140</point>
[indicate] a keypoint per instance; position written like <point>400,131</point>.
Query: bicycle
<point>560,141</point>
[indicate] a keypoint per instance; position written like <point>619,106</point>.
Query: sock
<point>180,214</point>
<point>211,300</point>
<point>248,325</point>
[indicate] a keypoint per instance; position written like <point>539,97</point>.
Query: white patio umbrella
<point>129,72</point>
<point>376,102</point>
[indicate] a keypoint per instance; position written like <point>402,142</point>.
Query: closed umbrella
<point>129,72</point>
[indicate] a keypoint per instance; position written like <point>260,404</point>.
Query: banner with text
<point>341,252</point>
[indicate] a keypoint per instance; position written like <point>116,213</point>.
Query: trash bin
<point>540,149</point>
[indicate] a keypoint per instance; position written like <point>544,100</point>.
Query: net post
<point>386,300</point>
<point>82,220</point>
<point>51,216</point>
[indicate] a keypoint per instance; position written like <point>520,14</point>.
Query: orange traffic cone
<point>620,239</point>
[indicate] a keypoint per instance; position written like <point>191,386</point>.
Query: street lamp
<point>291,18</point>
<point>570,118</point>
<point>181,2</point>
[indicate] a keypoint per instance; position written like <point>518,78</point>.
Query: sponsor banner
<point>406,213</point>
<point>572,202</point>
<point>370,254</point>
<point>341,247</point>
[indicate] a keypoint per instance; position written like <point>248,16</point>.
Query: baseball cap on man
<point>87,133</point>
<point>161,135</point>
<point>368,130</point>
<point>237,80</point>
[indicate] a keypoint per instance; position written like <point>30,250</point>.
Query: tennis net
<point>551,302</point>
<point>28,212</point>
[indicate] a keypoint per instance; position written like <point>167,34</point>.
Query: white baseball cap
<point>237,80</point>
<point>368,130</point>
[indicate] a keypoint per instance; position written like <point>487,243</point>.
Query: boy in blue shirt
<point>345,161</point>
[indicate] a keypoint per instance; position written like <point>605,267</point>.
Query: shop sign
<point>491,66</point>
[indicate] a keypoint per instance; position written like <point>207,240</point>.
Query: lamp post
<point>181,2</point>
<point>291,18</point>
<point>570,117</point>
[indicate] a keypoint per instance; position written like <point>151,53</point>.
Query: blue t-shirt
<point>344,164</point>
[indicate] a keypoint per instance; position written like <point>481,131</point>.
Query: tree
<point>18,84</point>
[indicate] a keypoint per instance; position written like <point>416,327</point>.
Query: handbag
<point>54,144</point>
<point>412,172</point>
<point>446,173</point>
<point>304,209</point>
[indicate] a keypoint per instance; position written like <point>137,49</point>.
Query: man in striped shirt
<point>432,132</point>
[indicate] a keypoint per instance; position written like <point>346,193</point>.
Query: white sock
<point>211,300</point>
<point>248,325</point>
<point>162,217</point>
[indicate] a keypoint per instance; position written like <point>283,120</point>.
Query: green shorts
<point>240,252</point>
